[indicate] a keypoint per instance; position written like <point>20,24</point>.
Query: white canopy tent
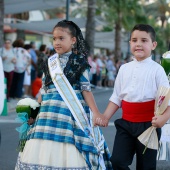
<point>44,26</point>
<point>19,6</point>
<point>102,39</point>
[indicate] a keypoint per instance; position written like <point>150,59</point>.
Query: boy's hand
<point>158,121</point>
<point>100,120</point>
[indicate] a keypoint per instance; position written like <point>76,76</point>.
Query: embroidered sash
<point>69,96</point>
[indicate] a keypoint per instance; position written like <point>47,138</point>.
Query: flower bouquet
<point>26,108</point>
<point>149,137</point>
<point>165,62</point>
<point>164,143</point>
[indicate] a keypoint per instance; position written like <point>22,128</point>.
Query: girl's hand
<point>31,121</point>
<point>100,120</point>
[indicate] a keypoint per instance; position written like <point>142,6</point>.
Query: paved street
<point>8,153</point>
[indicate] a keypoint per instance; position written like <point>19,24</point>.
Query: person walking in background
<point>56,136</point>
<point>135,91</point>
<point>104,72</point>
<point>8,60</point>
<point>21,64</point>
<point>27,76</point>
<point>33,61</point>
<point>2,88</point>
<point>111,72</point>
<point>2,92</point>
<point>100,67</point>
<point>36,85</point>
<point>94,70</point>
<point>41,56</point>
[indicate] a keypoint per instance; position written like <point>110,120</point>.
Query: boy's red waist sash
<point>138,112</point>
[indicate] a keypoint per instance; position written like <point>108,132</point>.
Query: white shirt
<point>22,59</point>
<point>7,63</point>
<point>2,92</point>
<point>138,81</point>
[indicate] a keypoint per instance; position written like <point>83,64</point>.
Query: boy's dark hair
<point>147,28</point>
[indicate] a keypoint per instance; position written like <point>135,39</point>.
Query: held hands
<point>100,120</point>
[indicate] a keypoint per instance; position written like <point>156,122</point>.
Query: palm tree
<point>1,22</point>
<point>121,14</point>
<point>158,10</point>
<point>90,25</point>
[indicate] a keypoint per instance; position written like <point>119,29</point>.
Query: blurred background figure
<point>20,67</point>
<point>36,85</point>
<point>42,56</point>
<point>100,66</point>
<point>94,71</point>
<point>2,94</point>
<point>90,60</point>
<point>27,76</point>
<point>111,72</point>
<point>33,61</point>
<point>8,60</point>
<point>104,72</point>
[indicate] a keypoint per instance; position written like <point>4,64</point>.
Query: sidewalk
<point>11,115</point>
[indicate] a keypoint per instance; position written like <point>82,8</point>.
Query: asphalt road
<point>9,141</point>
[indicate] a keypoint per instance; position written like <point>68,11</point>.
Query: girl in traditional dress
<point>57,139</point>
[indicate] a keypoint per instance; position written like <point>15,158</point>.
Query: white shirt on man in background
<point>9,59</point>
<point>2,93</point>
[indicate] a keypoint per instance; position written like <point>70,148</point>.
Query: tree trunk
<point>90,25</point>
<point>117,41</point>
<point>1,22</point>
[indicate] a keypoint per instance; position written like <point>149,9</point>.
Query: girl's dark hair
<point>18,43</point>
<point>27,46</point>
<point>42,47</point>
<point>81,46</point>
<point>146,28</point>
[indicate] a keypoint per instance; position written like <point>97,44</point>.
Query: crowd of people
<point>103,70</point>
<point>20,68</point>
<point>24,78</point>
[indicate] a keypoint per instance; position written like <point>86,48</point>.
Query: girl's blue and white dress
<point>55,141</point>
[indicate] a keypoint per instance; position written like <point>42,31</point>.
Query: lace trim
<point>75,66</point>
<point>20,165</point>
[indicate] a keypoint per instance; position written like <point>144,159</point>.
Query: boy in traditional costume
<point>135,91</point>
<point>63,135</point>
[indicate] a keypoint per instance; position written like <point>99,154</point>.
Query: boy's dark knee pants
<point>126,145</point>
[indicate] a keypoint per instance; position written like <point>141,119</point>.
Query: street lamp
<point>67,9</point>
<point>68,6</point>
